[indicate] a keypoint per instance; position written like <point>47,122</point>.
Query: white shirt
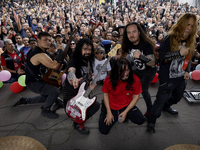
<point>97,67</point>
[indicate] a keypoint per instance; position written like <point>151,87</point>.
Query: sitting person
<point>12,60</point>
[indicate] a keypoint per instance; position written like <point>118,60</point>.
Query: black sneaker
<point>19,101</point>
<point>171,111</point>
<point>151,127</point>
<point>48,113</point>
<point>58,104</point>
<point>81,128</point>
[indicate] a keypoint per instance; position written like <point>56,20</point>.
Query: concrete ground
<point>59,134</point>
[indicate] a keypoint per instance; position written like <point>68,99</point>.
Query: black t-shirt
<point>81,71</point>
<point>170,63</point>
<point>140,68</point>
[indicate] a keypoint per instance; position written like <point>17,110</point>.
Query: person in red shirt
<point>12,61</point>
<point>121,92</point>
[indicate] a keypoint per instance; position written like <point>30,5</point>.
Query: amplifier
<point>192,96</point>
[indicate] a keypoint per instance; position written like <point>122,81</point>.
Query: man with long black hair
<point>139,50</point>
<point>121,91</point>
<point>79,71</point>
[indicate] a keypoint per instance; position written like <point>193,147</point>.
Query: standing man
<point>179,43</point>
<point>80,70</point>
<point>120,95</point>
<point>37,63</point>
<point>140,50</point>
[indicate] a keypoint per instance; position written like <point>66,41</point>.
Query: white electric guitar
<point>76,107</point>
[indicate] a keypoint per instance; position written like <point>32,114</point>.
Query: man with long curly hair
<point>79,71</point>
<point>175,53</point>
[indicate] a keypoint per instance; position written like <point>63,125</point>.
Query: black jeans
<point>90,111</point>
<point>167,95</point>
<point>135,115</point>
<point>145,82</point>
<point>48,93</point>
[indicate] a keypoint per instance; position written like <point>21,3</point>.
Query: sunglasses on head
<point>99,52</point>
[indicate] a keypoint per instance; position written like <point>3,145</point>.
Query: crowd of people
<point>155,37</point>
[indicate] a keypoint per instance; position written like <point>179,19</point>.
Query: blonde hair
<point>177,31</point>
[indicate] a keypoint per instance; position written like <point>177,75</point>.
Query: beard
<point>86,58</point>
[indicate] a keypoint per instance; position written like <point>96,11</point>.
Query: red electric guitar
<point>76,107</point>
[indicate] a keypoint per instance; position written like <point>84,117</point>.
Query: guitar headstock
<point>114,50</point>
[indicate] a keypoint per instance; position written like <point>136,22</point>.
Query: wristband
<point>144,58</point>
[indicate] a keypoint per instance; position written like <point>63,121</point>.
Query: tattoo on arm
<point>152,62</point>
<point>71,75</point>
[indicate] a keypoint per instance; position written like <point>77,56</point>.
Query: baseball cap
<point>32,39</point>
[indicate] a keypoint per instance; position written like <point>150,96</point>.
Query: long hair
<point>126,42</point>
<point>77,55</point>
<point>119,67</point>
<point>177,30</point>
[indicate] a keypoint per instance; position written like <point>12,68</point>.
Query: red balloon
<point>155,79</point>
<point>195,75</point>
<point>15,87</point>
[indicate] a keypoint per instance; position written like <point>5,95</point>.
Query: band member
<point>121,91</point>
<point>37,63</point>
<point>140,50</point>
<point>80,70</point>
<point>179,43</point>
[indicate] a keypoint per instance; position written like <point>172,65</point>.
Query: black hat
<point>38,29</point>
<point>32,39</point>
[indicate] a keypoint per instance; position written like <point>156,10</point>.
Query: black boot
<point>58,104</point>
<point>46,112</point>
<point>20,101</point>
<point>171,111</point>
<point>151,127</point>
<point>81,128</point>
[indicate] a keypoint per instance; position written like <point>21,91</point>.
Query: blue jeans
<point>48,93</point>
<point>167,95</point>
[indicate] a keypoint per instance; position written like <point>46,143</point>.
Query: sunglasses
<point>72,44</point>
<point>98,53</point>
<point>115,36</point>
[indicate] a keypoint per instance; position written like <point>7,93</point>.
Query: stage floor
<point>59,134</point>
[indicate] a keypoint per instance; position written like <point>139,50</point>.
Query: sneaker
<point>21,100</point>
<point>81,128</point>
<point>48,113</point>
<point>171,111</point>
<point>151,127</point>
<point>58,104</point>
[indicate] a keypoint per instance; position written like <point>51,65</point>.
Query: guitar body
<point>76,107</point>
<point>54,77</point>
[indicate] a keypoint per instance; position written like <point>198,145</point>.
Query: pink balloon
<point>155,79</point>
<point>63,77</point>
<point>5,75</point>
<point>195,75</point>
